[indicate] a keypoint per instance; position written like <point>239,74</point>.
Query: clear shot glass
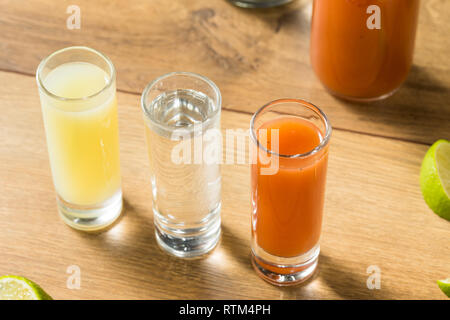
<point>78,98</point>
<point>182,118</point>
<point>288,173</point>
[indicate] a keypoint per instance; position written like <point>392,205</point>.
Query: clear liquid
<point>186,196</point>
<point>182,108</point>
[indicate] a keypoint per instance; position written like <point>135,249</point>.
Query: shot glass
<point>288,172</point>
<point>77,90</point>
<point>182,120</point>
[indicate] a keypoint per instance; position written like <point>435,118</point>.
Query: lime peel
<point>20,288</point>
<point>445,286</point>
<point>435,178</point>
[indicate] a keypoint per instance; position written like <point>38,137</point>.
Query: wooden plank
<point>254,56</point>
<point>374,215</point>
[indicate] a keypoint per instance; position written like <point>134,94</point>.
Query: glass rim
<point>152,83</point>
<point>44,61</point>
<point>303,103</point>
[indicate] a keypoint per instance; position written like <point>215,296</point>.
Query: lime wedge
<point>20,288</point>
<point>445,286</point>
<point>435,178</point>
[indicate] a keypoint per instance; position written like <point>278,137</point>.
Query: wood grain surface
<point>374,212</point>
<point>254,56</point>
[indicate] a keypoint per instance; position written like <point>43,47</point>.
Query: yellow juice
<point>82,134</point>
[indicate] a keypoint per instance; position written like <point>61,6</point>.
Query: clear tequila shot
<point>78,99</point>
<point>182,117</point>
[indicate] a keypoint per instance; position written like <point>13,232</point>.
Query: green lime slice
<point>445,286</point>
<point>20,288</point>
<point>435,178</point>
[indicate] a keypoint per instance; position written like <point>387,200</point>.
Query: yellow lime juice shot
<point>79,107</point>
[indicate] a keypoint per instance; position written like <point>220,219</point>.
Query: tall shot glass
<point>78,98</point>
<point>182,118</point>
<point>290,154</point>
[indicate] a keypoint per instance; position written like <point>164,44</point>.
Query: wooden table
<point>374,213</point>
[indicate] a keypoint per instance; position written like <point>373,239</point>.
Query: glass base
<point>258,3</point>
<point>91,218</point>
<point>363,100</point>
<point>188,242</point>
<point>288,273</point>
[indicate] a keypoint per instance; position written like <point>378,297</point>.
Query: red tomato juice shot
<point>288,205</point>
